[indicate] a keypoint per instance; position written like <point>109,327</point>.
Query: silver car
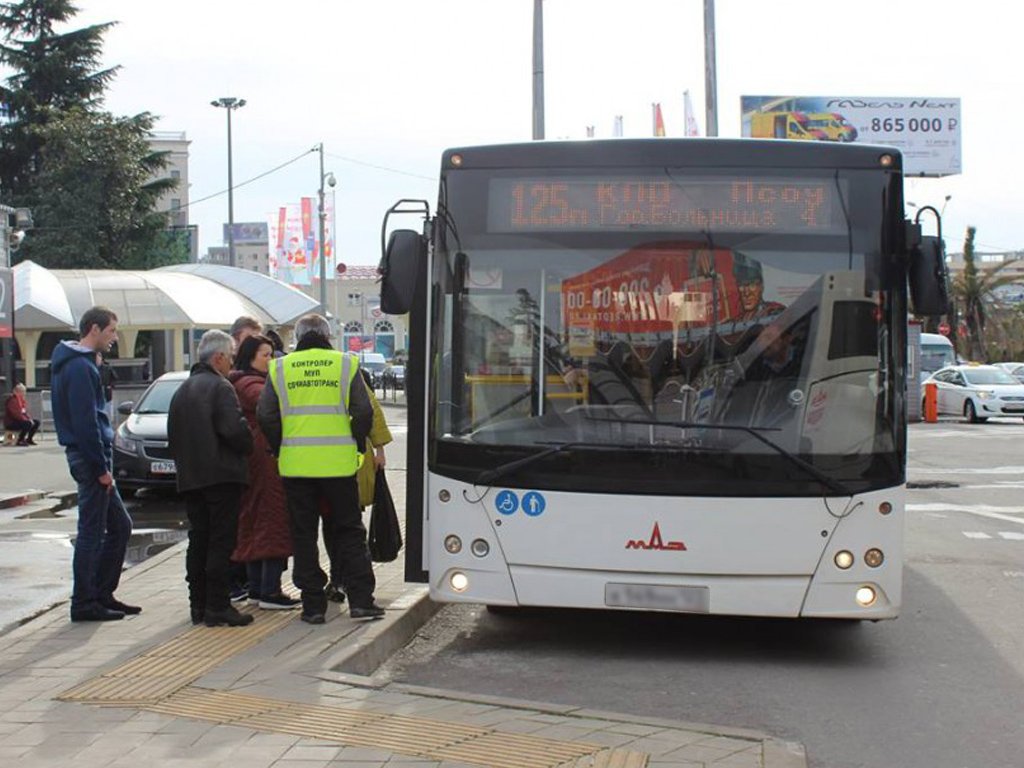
<point>977,392</point>
<point>1014,369</point>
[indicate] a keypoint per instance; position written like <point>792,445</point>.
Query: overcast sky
<point>387,85</point>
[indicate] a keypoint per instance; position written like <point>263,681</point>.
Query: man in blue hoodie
<point>83,428</point>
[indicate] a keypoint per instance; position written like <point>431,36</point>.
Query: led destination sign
<point>620,204</point>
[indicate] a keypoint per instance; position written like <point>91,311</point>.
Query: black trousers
<point>344,537</point>
<point>26,428</point>
<point>213,528</point>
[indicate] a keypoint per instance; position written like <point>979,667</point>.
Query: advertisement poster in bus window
<point>926,130</point>
<point>663,291</point>
<point>649,290</point>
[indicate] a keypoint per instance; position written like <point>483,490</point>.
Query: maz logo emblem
<point>656,542</point>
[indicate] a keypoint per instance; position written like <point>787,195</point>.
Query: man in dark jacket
<point>210,440</point>
<point>80,418</point>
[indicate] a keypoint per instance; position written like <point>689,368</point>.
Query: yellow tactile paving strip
<point>160,680</point>
<point>171,666</point>
<point>414,736</point>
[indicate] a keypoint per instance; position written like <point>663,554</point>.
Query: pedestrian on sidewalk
<point>264,539</point>
<point>373,459</point>
<point>80,419</point>
<point>243,327</point>
<point>210,442</point>
<point>316,416</point>
<point>17,418</point>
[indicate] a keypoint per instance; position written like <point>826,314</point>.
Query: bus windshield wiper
<point>755,432</point>
<point>488,476</point>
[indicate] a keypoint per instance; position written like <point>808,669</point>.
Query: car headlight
<point>982,395</point>
<point>125,443</point>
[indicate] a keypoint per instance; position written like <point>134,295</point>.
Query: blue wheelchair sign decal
<point>506,502</point>
<point>533,503</point>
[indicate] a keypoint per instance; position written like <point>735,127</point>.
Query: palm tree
<point>974,290</point>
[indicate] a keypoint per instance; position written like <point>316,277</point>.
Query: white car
<point>977,392</point>
<point>1014,369</point>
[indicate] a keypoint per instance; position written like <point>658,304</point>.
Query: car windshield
<point>158,397</point>
<point>985,376</point>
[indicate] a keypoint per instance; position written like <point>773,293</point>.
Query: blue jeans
<point>104,528</point>
<point>265,576</point>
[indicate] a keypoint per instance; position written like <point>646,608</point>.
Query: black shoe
<point>230,616</point>
<point>114,604</point>
<point>198,615</point>
<point>278,602</point>
<point>334,593</point>
<point>313,618</point>
<point>96,613</point>
<point>238,594</point>
<point>366,613</point>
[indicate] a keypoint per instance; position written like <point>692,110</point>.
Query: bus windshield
<point>670,340</point>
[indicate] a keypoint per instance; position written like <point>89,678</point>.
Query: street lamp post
<point>230,103</point>
<point>329,179</point>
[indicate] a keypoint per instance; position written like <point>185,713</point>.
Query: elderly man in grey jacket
<point>210,440</point>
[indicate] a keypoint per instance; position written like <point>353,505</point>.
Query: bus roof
<point>693,153</point>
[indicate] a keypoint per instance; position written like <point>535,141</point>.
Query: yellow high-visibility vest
<point>312,388</point>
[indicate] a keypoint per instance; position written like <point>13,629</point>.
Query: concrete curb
<point>380,639</point>
<point>777,753</point>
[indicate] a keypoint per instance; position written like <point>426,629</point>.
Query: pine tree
<point>53,71</point>
<point>87,175</point>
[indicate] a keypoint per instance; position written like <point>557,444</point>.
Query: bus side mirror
<point>929,289</point>
<point>399,269</point>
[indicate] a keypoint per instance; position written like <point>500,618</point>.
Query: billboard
<point>248,233</point>
<point>925,130</point>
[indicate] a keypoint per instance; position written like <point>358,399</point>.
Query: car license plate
<point>162,468</point>
<point>661,597</point>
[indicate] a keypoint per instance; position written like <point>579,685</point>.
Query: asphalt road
<point>940,687</point>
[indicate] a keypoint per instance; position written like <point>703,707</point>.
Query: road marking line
<point>981,510</point>
<point>975,535</point>
<point>969,470</point>
<point>1012,535</point>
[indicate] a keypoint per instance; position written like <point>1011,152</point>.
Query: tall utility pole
<point>710,76</point>
<point>322,211</point>
<point>538,69</point>
<point>230,103</point>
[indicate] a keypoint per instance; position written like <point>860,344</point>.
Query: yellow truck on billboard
<point>835,126</point>
<point>808,126</point>
<point>784,125</point>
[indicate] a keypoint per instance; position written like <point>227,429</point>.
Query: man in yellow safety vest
<point>316,414</point>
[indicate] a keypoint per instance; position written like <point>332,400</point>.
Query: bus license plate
<point>162,468</point>
<point>661,597</point>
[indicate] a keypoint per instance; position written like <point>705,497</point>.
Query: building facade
<point>174,202</point>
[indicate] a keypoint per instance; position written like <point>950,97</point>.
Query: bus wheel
<point>972,414</point>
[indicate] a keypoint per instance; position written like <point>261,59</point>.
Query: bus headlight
<point>453,544</point>
<point>479,547</point>
<point>459,581</point>
<point>866,596</point>
<point>874,557</point>
<point>844,559</point>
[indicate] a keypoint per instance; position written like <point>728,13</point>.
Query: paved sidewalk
<point>154,691</point>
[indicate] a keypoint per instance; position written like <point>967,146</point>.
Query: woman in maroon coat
<point>264,539</point>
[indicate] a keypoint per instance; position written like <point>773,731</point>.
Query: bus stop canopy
<point>176,298</point>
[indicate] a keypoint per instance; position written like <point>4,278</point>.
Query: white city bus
<point>661,375</point>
